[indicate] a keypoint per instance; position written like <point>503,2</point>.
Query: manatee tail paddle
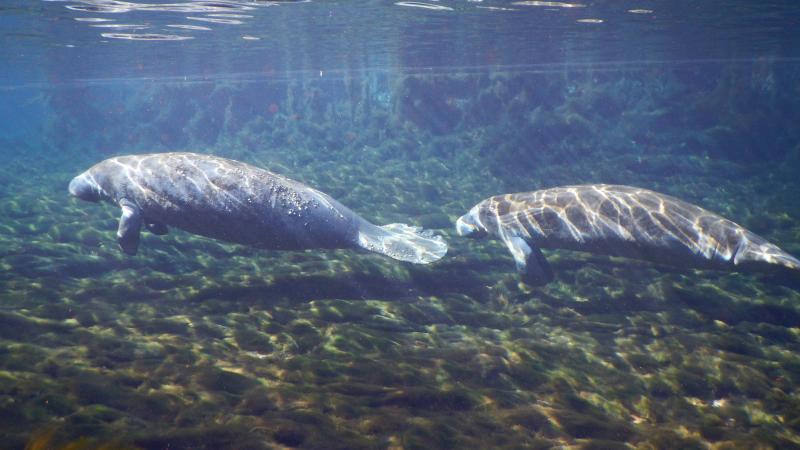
<point>756,251</point>
<point>402,242</point>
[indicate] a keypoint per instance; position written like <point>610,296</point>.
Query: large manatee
<point>236,202</point>
<point>619,221</point>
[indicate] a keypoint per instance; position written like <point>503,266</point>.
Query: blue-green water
<point>405,112</point>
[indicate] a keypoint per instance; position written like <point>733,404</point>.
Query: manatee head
<point>86,188</point>
<point>470,224</point>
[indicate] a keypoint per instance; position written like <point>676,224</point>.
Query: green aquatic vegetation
<point>428,399</point>
<point>196,343</point>
<point>593,426</point>
<point>670,439</point>
<point>225,381</point>
<point>342,310</point>
<point>253,340</point>
<point>601,444</point>
<point>643,362</point>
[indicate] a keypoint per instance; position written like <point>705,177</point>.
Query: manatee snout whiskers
<point>618,221</point>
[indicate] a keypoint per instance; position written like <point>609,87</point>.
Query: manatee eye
<point>84,188</point>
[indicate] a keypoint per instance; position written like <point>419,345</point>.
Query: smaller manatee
<point>619,221</point>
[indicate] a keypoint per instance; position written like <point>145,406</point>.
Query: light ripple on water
<point>550,4</point>
<point>92,19</point>
<point>114,6</point>
<point>215,20</point>
<point>120,26</point>
<point>425,6</point>
<point>189,27</point>
<point>231,16</point>
<point>146,36</point>
<point>98,8</point>
<point>496,8</point>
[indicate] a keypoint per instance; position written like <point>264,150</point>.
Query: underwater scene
<point>312,255</point>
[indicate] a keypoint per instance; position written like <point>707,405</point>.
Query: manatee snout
<point>463,228</point>
<point>85,188</point>
<point>468,225</point>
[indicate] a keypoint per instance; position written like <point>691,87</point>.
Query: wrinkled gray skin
<point>619,221</point>
<point>235,202</point>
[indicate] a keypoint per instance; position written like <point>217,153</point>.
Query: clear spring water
<point>406,112</point>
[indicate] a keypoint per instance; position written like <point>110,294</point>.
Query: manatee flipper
<point>130,223</point>
<point>402,242</point>
<point>530,261</point>
<point>156,228</point>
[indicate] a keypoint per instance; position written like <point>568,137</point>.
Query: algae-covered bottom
<point>198,344</point>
